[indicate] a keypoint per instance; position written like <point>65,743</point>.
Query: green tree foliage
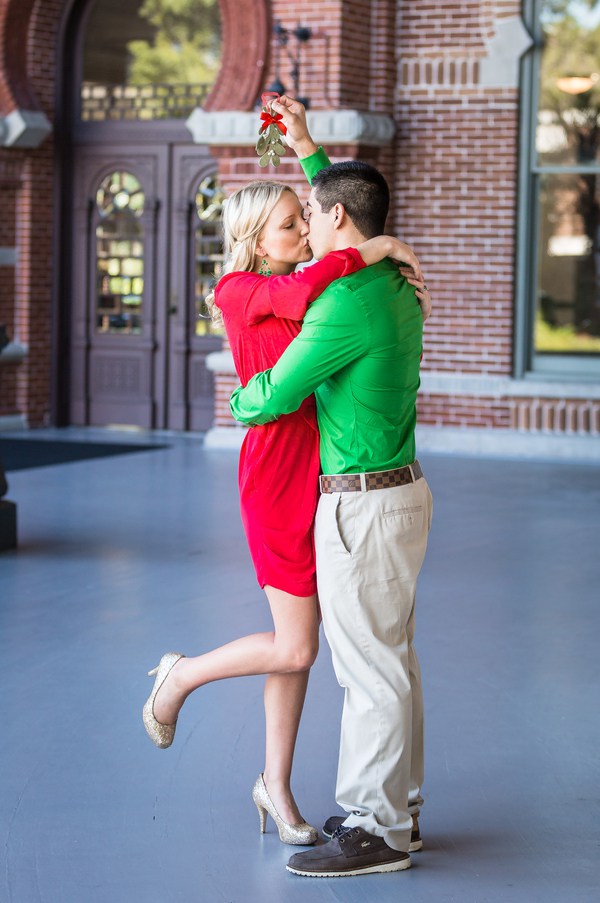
<point>186,48</point>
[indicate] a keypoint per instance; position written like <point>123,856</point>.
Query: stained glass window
<point>208,248</point>
<point>119,255</point>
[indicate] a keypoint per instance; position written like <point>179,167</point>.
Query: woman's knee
<point>300,656</point>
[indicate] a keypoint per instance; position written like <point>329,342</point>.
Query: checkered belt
<point>363,482</point>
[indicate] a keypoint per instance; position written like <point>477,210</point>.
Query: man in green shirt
<point>359,352</point>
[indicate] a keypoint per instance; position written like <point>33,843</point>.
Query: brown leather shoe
<point>351,851</point>
<point>335,821</point>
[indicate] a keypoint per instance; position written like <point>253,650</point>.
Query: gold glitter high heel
<point>160,734</point>
<point>301,834</point>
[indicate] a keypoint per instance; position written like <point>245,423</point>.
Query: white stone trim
<point>502,443</point>
<point>24,128</point>
<point>225,436</point>
<point>230,127</point>
<point>500,68</point>
<point>13,423</point>
<point>439,383</point>
<point>220,362</point>
<point>475,385</point>
<point>8,257</point>
<point>14,351</point>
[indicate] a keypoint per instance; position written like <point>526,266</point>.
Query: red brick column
<point>28,38</point>
<point>456,177</point>
<point>10,182</point>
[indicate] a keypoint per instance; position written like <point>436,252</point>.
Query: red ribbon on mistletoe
<point>268,116</point>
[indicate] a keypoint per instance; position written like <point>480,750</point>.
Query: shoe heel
<point>153,672</point>
<point>262,815</point>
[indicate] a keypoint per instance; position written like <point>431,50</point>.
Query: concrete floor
<point>123,558</point>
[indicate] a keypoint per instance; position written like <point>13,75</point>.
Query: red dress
<point>279,462</point>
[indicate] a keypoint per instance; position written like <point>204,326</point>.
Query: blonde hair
<point>245,214</point>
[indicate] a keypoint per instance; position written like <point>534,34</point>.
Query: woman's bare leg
<point>284,700</point>
<point>290,648</point>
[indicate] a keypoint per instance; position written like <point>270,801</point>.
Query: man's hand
<point>294,119</point>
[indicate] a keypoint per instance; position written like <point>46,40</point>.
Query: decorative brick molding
<point>492,60</point>
<point>556,415</point>
<point>480,401</point>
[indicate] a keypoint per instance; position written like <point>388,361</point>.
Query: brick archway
<point>246,31</point>
<point>15,88</point>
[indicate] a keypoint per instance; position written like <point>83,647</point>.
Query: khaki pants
<point>370,548</point>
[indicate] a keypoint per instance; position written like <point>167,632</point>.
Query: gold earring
<point>265,269</point>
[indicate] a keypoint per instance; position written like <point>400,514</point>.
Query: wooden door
<point>195,260</point>
<point>138,346</point>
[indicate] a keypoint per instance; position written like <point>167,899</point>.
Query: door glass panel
<point>208,250</point>
<point>568,126</point>
<point>568,317</point>
<point>119,255</point>
<point>149,59</point>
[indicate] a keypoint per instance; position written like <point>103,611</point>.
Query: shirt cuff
<point>315,163</point>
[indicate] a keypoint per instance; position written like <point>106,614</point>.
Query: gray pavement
<point>123,558</point>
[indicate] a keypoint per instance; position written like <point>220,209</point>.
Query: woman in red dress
<point>262,302</point>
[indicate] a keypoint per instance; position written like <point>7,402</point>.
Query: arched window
<point>562,197</point>
<point>149,59</point>
<point>119,255</point>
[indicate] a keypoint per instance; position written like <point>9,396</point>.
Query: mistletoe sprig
<point>269,146</point>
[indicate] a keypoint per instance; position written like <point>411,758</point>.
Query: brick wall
<point>456,170</point>
<point>25,387</point>
<point>452,168</point>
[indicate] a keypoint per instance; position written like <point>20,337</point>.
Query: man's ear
<point>339,216</point>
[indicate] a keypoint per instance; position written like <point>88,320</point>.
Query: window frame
<point>528,364</point>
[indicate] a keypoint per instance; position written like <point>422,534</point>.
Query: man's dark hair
<point>360,188</point>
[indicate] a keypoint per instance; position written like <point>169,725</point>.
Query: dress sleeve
<point>288,297</point>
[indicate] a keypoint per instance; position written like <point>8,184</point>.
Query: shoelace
<point>341,831</point>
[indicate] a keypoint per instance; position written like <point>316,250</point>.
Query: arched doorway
<point>143,209</point>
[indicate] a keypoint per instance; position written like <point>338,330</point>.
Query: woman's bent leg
<point>291,647</point>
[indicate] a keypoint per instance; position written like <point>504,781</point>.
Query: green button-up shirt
<point>359,352</point>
